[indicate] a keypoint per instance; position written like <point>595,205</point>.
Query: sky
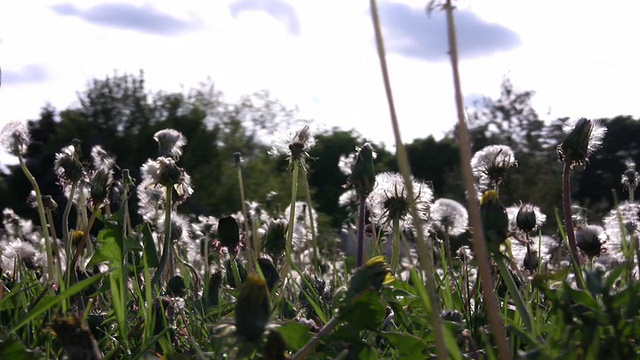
<point>581,58</point>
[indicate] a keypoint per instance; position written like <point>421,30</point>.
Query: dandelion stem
<point>395,252</point>
<point>425,252</point>
<point>362,209</point>
<point>447,249</point>
<point>166,245</point>
<point>65,227</point>
<point>568,220</point>
<point>55,250</point>
<point>85,238</point>
<point>479,244</point>
<point>292,213</point>
<point>312,225</point>
<point>43,220</point>
<point>313,343</point>
<point>252,246</point>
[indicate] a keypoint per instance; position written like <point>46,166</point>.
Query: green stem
<point>43,221</point>
<point>245,223</point>
<point>235,272</point>
<point>68,242</point>
<point>424,252</point>
<point>362,209</point>
<point>292,214</point>
<point>395,238</point>
<point>166,245</point>
<point>56,251</point>
<point>479,244</point>
<point>312,225</point>
<point>523,311</point>
<point>85,238</point>
<point>568,221</point>
<point>447,250</point>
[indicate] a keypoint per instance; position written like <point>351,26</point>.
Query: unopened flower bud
<point>229,232</point>
<point>363,177</point>
<point>253,308</point>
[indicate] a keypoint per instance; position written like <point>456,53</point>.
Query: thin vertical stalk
<point>85,239</point>
<point>292,215</point>
<point>424,251</point>
<point>251,247</point>
<point>479,245</point>
<point>395,243</point>
<point>312,225</point>
<point>568,221</point>
<point>447,249</point>
<point>56,251</point>
<point>68,242</point>
<point>362,213</point>
<point>166,245</point>
<point>43,221</point>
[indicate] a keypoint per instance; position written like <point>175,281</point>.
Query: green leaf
<point>109,248</point>
<point>149,245</point>
<point>48,303</point>
<point>365,311</point>
<point>15,350</point>
<point>295,335</point>
<point>410,347</point>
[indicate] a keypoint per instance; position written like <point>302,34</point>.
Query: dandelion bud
<point>215,281</point>
<point>363,176</point>
<point>584,137</point>
<point>100,185</point>
<point>76,339</point>
<point>238,160</point>
<point>253,308</point>
<point>49,203</point>
<point>590,239</point>
<point>229,232</point>
<point>630,178</point>
<point>373,274</point>
<point>275,239</point>
<point>176,286</point>
<point>495,220</point>
<point>270,272</point>
<point>453,316</point>
<point>526,218</point>
<point>275,347</point>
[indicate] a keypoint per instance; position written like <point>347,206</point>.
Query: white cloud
<point>581,61</point>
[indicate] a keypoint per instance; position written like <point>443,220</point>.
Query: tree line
<point>121,115</point>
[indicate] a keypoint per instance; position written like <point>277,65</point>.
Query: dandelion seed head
<point>100,158</point>
<point>584,137</point>
<point>346,162</point>
<point>389,199</point>
<point>590,239</point>
<point>630,178</point>
<point>15,138</point>
<point>67,166</point>
<point>449,215</point>
<point>348,198</point>
<point>170,143</point>
<point>620,224</point>
<point>490,164</point>
<point>293,144</point>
